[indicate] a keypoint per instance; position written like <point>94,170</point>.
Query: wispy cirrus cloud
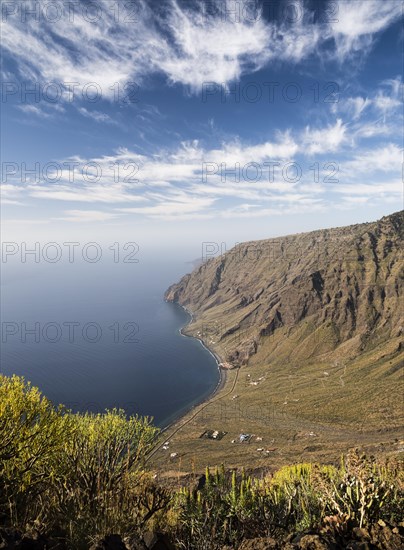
<point>107,193</point>
<point>177,204</point>
<point>97,116</point>
<point>325,140</point>
<point>187,46</point>
<point>85,216</point>
<point>34,110</point>
<point>384,159</point>
<point>358,22</point>
<point>210,48</point>
<point>377,114</point>
<point>386,98</point>
<point>190,181</point>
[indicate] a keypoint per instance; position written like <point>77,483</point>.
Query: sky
<point>175,123</point>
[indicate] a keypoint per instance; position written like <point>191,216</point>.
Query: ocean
<point>100,335</point>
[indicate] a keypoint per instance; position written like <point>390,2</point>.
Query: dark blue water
<point>103,337</point>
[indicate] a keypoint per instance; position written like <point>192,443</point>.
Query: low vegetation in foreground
<point>70,481</point>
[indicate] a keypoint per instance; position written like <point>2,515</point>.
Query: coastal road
<point>203,407</point>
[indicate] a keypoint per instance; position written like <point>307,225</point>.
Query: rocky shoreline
<point>182,420</point>
<point>218,359</point>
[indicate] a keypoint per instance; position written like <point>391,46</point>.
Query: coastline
<point>222,371</point>
<point>182,419</point>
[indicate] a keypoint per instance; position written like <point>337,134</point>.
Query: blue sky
<point>181,122</point>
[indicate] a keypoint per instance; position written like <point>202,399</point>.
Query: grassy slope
<point>321,325</point>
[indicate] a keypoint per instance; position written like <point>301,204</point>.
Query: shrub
<point>32,433</point>
<point>83,473</point>
<point>362,491</point>
<point>103,486</point>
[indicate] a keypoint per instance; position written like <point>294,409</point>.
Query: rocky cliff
<point>302,296</point>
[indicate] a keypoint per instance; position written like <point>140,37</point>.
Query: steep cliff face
<point>302,296</point>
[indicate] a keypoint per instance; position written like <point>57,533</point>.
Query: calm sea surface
<point>96,336</point>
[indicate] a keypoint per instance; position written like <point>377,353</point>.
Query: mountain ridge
<point>350,277</point>
<point>313,325</point>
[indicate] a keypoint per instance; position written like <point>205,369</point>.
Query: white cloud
<point>355,200</point>
<point>188,46</point>
<point>34,109</point>
<point>380,159</point>
<point>372,129</point>
<point>354,107</point>
<point>11,194</point>
<point>358,21</point>
<point>171,184</point>
<point>115,51</point>
<point>96,115</point>
<point>381,189</point>
<point>378,114</point>
<point>325,140</point>
<point>173,209</point>
<point>80,216</point>
<point>90,193</point>
<point>212,49</point>
<point>11,201</point>
<point>386,103</point>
